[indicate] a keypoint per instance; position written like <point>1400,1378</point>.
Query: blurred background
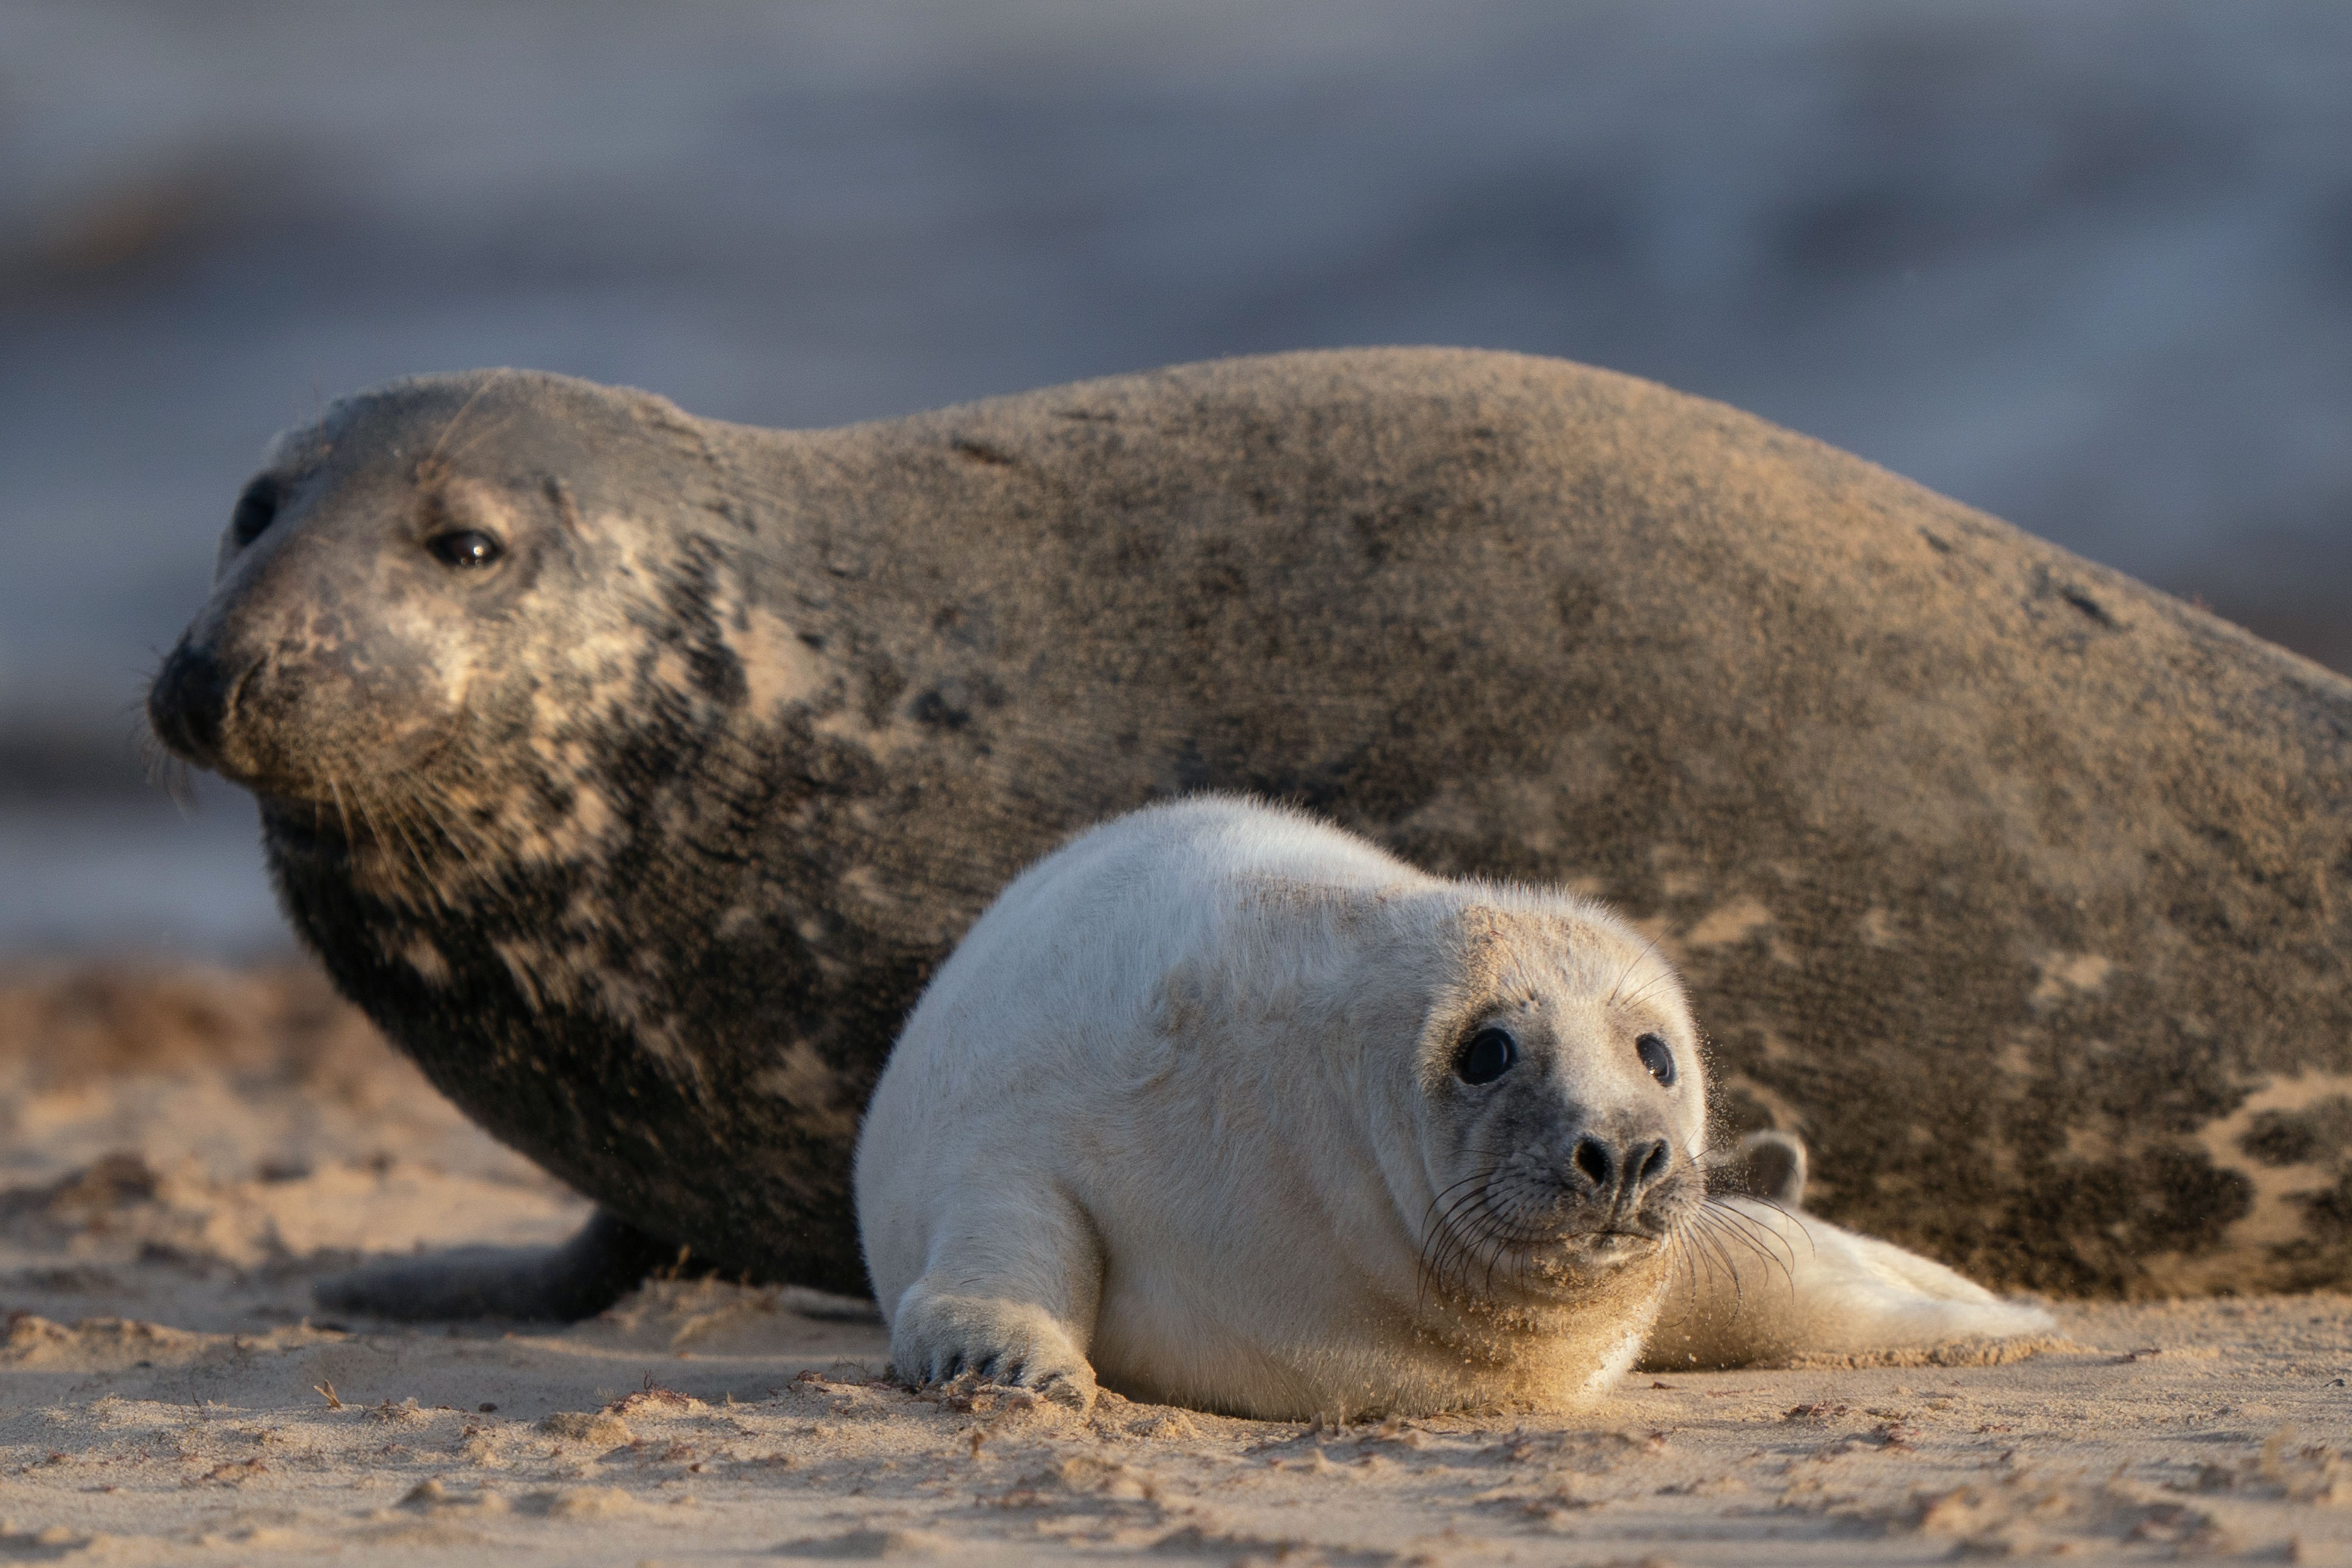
<point>2086,265</point>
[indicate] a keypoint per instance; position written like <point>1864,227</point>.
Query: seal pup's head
<point>1563,1107</point>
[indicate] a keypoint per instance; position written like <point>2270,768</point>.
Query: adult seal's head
<point>529,698</point>
<point>409,600</point>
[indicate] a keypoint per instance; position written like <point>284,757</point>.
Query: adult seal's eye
<point>465,548</point>
<point>1657,1058</point>
<point>257,509</point>
<point>1486,1057</point>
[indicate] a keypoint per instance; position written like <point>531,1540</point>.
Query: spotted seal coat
<point>633,771</point>
<point>1220,1106</point>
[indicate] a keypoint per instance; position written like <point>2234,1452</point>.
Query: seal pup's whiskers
<point>1438,1234</point>
<point>1694,1245</point>
<point>1733,1228</point>
<point>1631,964</point>
<point>1663,977</point>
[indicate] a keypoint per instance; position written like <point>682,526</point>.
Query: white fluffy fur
<point>1175,1115</point>
<point>1800,1285</point>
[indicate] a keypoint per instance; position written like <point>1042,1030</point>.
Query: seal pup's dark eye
<point>1657,1057</point>
<point>257,509</point>
<point>464,547</point>
<point>1486,1057</point>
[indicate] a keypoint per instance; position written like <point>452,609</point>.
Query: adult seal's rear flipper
<point>607,1260</point>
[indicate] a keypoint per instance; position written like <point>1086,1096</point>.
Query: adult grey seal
<point>1226,1108</point>
<point>635,770</point>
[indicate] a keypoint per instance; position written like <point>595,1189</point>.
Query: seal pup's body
<point>633,771</point>
<point>1226,1108</point>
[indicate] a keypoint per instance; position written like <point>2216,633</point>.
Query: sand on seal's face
<point>167,1404</point>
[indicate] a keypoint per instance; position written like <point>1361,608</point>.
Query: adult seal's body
<point>1226,1108</point>
<point>633,771</point>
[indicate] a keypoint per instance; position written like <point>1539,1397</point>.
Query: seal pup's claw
<point>965,1344</point>
<point>964,1388</point>
<point>1063,1389</point>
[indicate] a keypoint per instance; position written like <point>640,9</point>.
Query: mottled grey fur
<point>2020,890</point>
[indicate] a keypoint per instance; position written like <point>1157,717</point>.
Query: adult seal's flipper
<point>607,1260</point>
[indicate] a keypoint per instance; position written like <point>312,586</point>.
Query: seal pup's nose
<point>1620,1173</point>
<point>188,705</point>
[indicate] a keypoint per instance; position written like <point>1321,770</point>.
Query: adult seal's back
<point>633,771</point>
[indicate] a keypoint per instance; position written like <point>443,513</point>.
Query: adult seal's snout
<point>299,722</point>
<point>371,601</point>
<point>188,705</point>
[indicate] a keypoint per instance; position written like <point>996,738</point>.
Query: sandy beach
<point>186,1151</point>
<point>2088,267</point>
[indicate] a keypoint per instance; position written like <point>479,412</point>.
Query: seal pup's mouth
<point>1613,1241</point>
<point>1497,1239</point>
<point>1546,1265</point>
<point>1576,1255</point>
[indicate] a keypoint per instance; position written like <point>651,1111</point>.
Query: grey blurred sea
<point>2087,265</point>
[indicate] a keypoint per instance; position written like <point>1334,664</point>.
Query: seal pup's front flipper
<point>607,1260</point>
<point>1762,1282</point>
<point>1009,1296</point>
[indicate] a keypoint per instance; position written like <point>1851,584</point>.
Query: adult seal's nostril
<point>188,705</point>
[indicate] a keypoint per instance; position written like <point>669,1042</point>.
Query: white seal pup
<point>1222,1105</point>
